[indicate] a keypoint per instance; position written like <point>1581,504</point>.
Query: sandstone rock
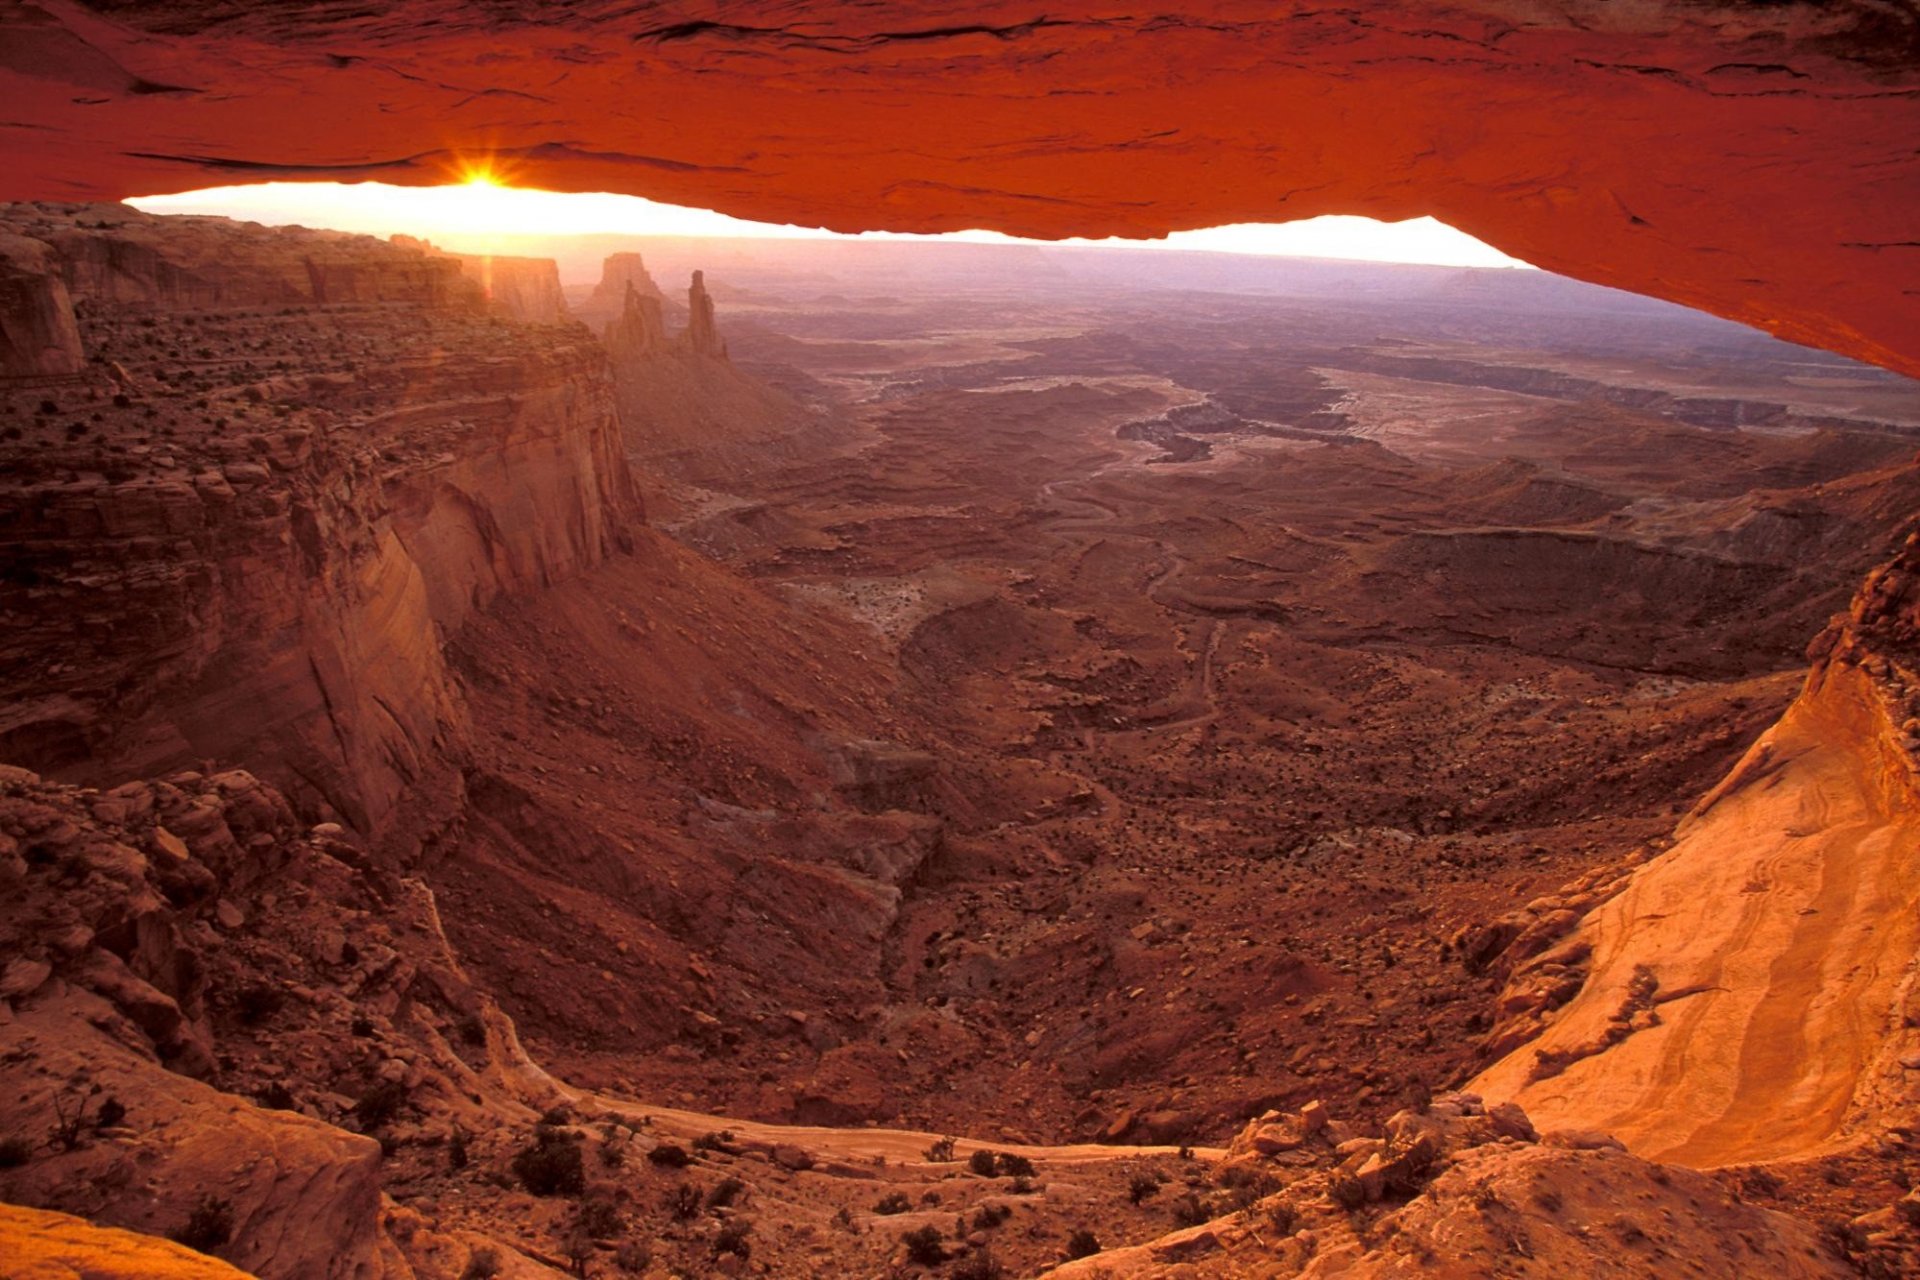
<point>38,1245</point>
<point>701,334</point>
<point>38,336</point>
<point>22,977</point>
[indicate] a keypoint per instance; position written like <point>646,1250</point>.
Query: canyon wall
<point>297,506</point>
<point>1751,995</point>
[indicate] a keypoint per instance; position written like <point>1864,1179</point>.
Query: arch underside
<point>1755,161</point>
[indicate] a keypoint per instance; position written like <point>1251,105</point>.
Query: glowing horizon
<point>463,217</point>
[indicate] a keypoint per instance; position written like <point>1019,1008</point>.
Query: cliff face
<point>526,290</point>
<point>38,336</point>
<point>263,562</point>
<point>1749,995</point>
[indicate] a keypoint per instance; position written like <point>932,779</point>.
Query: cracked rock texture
<point>1756,161</point>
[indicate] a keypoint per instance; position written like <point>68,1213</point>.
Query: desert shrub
<point>977,1265</point>
<point>361,1027</point>
<point>600,1219</point>
<point>209,1226</point>
<point>1082,1244</point>
<point>941,1152</point>
<point>982,1163</point>
<point>15,1152</point>
<point>633,1258</point>
<point>1142,1187</point>
<point>1022,1186</point>
<point>69,1120</point>
<point>733,1239</point>
<point>482,1264</point>
<point>473,1030</point>
<point>457,1156</point>
<point>257,1001</point>
<point>1013,1166</point>
<point>1346,1191</point>
<point>1188,1211</point>
<point>725,1192</point>
<point>275,1097</point>
<point>891,1203</point>
<point>716,1140</point>
<point>110,1114</point>
<point>669,1155</point>
<point>989,1216</point>
<point>551,1166</point>
<point>1282,1217</point>
<point>924,1247</point>
<point>555,1117</point>
<point>613,1154</point>
<point>686,1201</point>
<point>379,1103</point>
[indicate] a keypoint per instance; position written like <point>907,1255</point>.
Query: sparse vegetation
<point>482,1264</point>
<point>255,1002</point>
<point>209,1226</point>
<point>891,1203</point>
<point>725,1192</point>
<point>733,1239</point>
<point>15,1152</point>
<point>378,1104</point>
<point>925,1246</point>
<point>669,1155</point>
<point>457,1148</point>
<point>1082,1244</point>
<point>941,1152</point>
<point>979,1264</point>
<point>551,1166</point>
<point>600,1219</point>
<point>1142,1187</point>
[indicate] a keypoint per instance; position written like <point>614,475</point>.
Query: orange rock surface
<point>55,1246</point>
<point>1757,162</point>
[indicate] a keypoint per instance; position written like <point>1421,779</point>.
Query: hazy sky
<point>462,217</point>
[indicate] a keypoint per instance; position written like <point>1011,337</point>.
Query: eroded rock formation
<point>608,301</point>
<point>702,336</point>
<point>291,513</point>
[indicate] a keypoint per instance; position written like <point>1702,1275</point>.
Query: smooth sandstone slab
<point>1780,930</point>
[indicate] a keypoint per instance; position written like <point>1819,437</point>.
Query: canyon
<point>1262,768</point>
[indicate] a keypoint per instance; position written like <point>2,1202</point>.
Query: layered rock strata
<point>245,533</point>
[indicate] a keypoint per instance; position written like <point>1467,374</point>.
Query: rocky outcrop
<point>1605,149</point>
<point>292,519</point>
<point>191,927</point>
<point>38,336</point>
<point>688,412</point>
<point>620,273</point>
<point>1460,1189</point>
<point>1748,995</point>
<point>638,333</point>
<point>702,336</point>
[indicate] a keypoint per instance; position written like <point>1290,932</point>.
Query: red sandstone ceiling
<point>1759,160</point>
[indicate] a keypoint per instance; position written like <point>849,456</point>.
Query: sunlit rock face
<point>1755,161</point>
